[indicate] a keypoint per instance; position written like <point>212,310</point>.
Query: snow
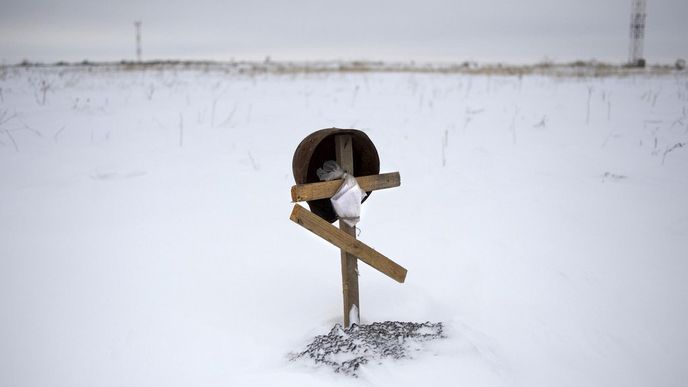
<point>354,315</point>
<point>145,239</point>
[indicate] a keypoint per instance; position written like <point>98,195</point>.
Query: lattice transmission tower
<point>637,33</point>
<point>137,25</point>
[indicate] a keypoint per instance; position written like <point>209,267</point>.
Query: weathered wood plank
<point>345,158</point>
<point>339,238</point>
<point>327,189</point>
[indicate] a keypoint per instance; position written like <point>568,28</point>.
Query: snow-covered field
<point>145,239</point>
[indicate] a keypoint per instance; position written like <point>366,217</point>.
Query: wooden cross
<point>344,237</point>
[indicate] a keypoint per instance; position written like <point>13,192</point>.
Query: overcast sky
<point>427,30</point>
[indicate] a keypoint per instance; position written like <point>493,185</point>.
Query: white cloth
<point>347,200</point>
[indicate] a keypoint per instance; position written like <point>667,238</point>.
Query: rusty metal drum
<point>319,147</point>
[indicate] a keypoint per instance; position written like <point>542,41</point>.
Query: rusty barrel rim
<point>317,148</point>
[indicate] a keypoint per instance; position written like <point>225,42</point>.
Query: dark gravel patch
<point>345,350</point>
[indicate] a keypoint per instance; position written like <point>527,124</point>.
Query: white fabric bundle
<point>347,200</point>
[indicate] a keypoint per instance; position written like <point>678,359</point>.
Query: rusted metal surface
<point>319,147</point>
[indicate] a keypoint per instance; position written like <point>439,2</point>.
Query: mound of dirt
<point>345,350</point>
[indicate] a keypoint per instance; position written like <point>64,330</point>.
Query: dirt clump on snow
<point>345,350</point>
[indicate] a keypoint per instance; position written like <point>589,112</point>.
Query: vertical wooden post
<point>345,159</point>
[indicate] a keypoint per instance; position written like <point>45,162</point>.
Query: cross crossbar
<point>344,241</point>
<point>327,189</point>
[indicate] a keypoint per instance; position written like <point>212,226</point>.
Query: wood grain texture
<point>327,189</point>
<point>344,152</point>
<point>344,241</point>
